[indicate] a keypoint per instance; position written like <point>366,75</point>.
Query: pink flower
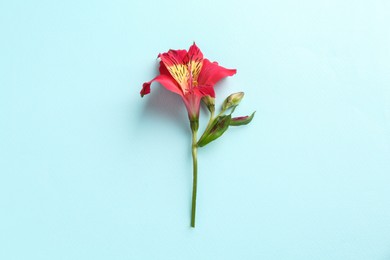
<point>189,75</point>
<point>192,77</point>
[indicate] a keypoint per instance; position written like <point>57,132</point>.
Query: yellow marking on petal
<point>187,74</point>
<point>196,66</point>
<point>180,73</point>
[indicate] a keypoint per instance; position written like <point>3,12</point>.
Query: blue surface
<point>89,170</point>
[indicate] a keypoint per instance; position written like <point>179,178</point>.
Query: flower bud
<point>232,101</point>
<point>241,120</point>
<point>209,102</point>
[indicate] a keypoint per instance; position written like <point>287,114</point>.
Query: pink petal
<point>164,80</point>
<point>174,63</point>
<point>192,103</point>
<point>204,91</point>
<point>194,54</point>
<point>212,73</point>
<point>194,60</point>
<point>164,71</point>
<point>173,57</point>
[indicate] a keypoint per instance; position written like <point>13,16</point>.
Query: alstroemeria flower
<point>189,75</point>
<point>192,77</point>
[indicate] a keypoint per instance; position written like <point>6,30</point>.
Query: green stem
<point>210,120</point>
<point>209,123</point>
<point>195,176</point>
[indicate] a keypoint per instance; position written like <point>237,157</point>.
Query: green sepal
<point>241,120</point>
<point>194,124</point>
<point>218,127</point>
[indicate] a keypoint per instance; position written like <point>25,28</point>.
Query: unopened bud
<point>232,101</point>
<point>209,102</point>
<point>241,120</point>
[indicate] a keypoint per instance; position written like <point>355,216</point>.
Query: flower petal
<point>211,73</point>
<point>174,61</point>
<point>195,61</point>
<point>173,57</point>
<point>192,103</point>
<point>164,80</point>
<point>204,91</point>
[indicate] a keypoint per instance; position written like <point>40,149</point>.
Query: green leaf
<point>218,127</point>
<point>242,120</point>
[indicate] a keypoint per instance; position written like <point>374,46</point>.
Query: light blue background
<point>89,170</point>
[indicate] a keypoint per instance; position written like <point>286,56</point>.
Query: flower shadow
<point>163,103</point>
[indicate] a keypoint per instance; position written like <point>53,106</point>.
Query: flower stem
<point>195,175</point>
<point>210,120</point>
<point>209,124</point>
